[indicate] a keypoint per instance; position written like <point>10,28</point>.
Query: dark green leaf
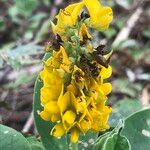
<point>113,140</point>
<point>122,109</point>
<point>137,130</point>
<point>86,141</point>
<point>35,144</point>
<point>10,139</point>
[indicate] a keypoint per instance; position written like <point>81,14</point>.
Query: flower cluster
<point>74,89</point>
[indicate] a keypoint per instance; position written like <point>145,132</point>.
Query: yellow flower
<point>78,77</point>
<point>58,130</point>
<point>59,59</point>
<point>73,99</point>
<point>99,114</point>
<point>105,72</point>
<point>83,33</point>
<point>70,107</point>
<point>100,17</point>
<point>67,18</point>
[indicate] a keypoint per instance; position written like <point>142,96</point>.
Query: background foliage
<point>24,31</point>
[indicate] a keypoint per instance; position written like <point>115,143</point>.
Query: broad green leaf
<point>113,140</point>
<point>116,142</point>
<point>86,141</point>
<point>35,144</point>
<point>137,130</point>
<point>100,141</point>
<point>44,127</point>
<point>123,109</point>
<point>10,139</point>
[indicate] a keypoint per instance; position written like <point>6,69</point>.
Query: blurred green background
<point>24,32</point>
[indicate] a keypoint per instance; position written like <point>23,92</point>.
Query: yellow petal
<point>55,117</point>
<point>83,33</point>
<point>93,6</point>
<point>50,94</point>
<point>71,8</point>
<point>64,20</point>
<point>106,88</point>
<point>58,130</point>
<point>75,12</point>
<point>105,72</point>
<point>64,102</point>
<point>44,96</point>
<point>78,77</point>
<point>52,107</point>
<point>69,117</point>
<point>66,62</point>
<point>72,88</point>
<point>45,115</point>
<point>67,17</point>
<point>106,18</point>
<point>85,125</point>
<point>100,17</point>
<point>74,135</point>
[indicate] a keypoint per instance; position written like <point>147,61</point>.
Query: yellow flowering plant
<point>73,86</point>
<point>74,91</point>
<point>71,94</point>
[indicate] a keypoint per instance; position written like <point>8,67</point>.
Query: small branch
<point>125,32</point>
<point>73,146</point>
<point>28,124</point>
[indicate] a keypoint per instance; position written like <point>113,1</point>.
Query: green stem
<point>74,146</point>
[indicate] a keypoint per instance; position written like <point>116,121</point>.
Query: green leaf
<point>10,139</point>
<point>122,109</point>
<point>113,140</point>
<point>35,144</point>
<point>26,6</point>
<point>130,43</point>
<point>117,142</point>
<point>19,55</point>
<point>21,79</point>
<point>44,127</point>
<point>124,86</point>
<point>86,141</point>
<point>137,130</point>
<point>110,33</point>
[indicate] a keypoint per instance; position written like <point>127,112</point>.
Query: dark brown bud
<point>84,15</point>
